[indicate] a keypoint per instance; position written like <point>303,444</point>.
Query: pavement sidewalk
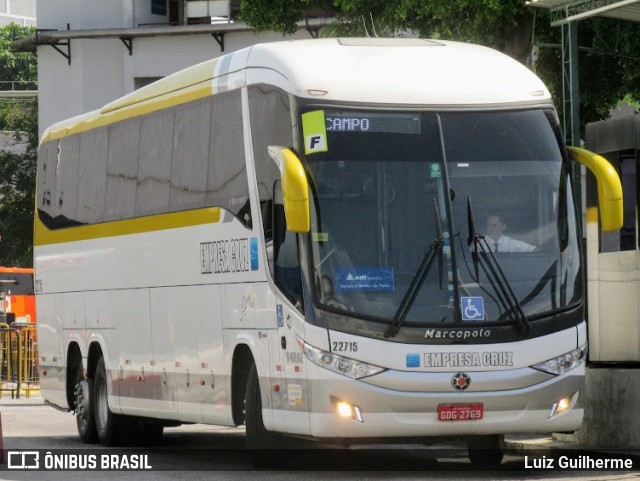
<point>540,444</point>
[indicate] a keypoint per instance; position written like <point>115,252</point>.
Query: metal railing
<point>18,360</point>
<point>18,85</point>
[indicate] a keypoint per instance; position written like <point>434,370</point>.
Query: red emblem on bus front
<point>460,381</point>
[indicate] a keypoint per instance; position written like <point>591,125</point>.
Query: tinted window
<point>187,157</point>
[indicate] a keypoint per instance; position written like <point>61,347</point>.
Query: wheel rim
<point>82,405</point>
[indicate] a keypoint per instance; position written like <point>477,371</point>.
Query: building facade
<point>113,47</point>
<point>22,12</point>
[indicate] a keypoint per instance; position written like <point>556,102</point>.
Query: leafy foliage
<point>609,69</point>
<point>16,66</point>
<point>19,119</point>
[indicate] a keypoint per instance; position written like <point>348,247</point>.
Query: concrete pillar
<point>611,408</point>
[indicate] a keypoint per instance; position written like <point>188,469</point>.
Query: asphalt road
<point>196,452</point>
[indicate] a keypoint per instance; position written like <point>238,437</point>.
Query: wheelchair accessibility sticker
<point>472,308</point>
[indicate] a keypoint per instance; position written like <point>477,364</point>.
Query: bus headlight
<point>564,363</point>
<point>336,363</point>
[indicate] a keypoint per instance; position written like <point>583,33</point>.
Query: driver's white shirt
<point>509,244</point>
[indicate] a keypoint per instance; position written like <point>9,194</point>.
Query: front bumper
<point>392,413</point>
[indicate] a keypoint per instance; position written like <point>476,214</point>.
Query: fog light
<point>345,410</point>
<point>562,405</point>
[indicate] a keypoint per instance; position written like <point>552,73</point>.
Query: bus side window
<point>629,192</point>
<point>271,124</point>
<point>286,257</point>
<point>625,238</point>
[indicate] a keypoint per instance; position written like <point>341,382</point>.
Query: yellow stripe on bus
<point>45,236</point>
<point>94,119</point>
<point>195,75</point>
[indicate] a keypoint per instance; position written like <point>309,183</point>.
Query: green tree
<point>609,68</point>
<point>19,120</point>
<point>16,66</point>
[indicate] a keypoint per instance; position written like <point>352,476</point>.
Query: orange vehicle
<point>16,292</point>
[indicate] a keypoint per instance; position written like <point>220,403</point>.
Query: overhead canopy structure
<point>61,39</point>
<point>563,11</point>
<point>567,14</point>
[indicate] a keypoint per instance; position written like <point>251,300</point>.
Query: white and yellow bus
<point>613,280</point>
<point>292,237</point>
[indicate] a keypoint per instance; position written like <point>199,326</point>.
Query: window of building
<point>159,7</point>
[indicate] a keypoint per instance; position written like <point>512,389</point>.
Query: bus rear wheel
<point>109,425</point>
<point>83,396</point>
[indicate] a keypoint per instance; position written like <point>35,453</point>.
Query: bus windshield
<point>387,185</point>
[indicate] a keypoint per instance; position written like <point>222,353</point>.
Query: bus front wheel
<point>486,451</point>
<point>265,448</point>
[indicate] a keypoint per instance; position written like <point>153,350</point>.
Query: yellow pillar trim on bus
<point>295,192</point>
<point>89,122</point>
<point>592,214</point>
<point>174,220</point>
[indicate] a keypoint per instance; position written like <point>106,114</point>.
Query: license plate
<point>460,412</point>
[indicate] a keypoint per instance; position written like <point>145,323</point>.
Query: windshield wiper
<point>492,270</point>
<point>435,248</point>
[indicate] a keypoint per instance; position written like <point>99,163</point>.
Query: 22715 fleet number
<point>344,346</point>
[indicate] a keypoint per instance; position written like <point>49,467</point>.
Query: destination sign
<point>372,122</point>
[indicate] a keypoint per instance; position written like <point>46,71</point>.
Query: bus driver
<point>498,242</point>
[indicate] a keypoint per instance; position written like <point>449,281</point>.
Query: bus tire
<point>265,448</point>
<point>108,425</point>
<point>486,451</point>
<point>83,397</point>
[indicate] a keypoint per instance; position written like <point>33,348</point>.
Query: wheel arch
<point>95,353</point>
<point>74,360</point>
<point>241,364</point>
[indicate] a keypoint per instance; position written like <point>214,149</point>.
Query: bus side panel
<point>187,342</point>
<point>100,329</point>
<point>73,322</point>
<point>240,306</point>
<point>163,339</point>
<point>175,320</point>
<point>132,350</point>
<point>73,312</point>
<point>215,398</point>
<point>50,346</point>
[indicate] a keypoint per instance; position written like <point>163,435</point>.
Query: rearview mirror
<point>295,189</point>
<point>609,187</point>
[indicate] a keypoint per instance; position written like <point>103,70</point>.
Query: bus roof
<point>408,72</point>
<point>401,71</point>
